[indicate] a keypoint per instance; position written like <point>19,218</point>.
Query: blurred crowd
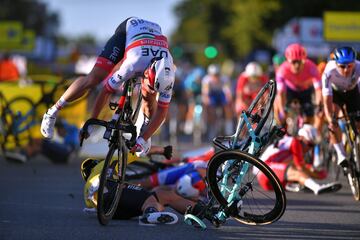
<point>207,100</point>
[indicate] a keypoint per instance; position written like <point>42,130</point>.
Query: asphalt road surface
<point>40,200</point>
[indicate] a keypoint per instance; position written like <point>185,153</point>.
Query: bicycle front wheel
<point>111,182</point>
<point>353,174</point>
<point>239,176</point>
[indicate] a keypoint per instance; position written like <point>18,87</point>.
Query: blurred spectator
<point>216,92</point>
<point>8,69</point>
<point>58,151</point>
<point>277,60</point>
<point>192,84</point>
<point>248,85</point>
<point>21,64</point>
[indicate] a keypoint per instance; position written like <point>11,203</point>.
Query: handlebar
<point>111,125</point>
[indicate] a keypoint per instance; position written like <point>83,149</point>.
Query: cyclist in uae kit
<point>139,49</point>
<point>341,86</point>
<point>296,79</point>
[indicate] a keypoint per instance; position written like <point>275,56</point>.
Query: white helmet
<point>185,188</point>
<point>309,133</point>
<point>213,69</point>
<point>253,69</point>
<point>161,74</point>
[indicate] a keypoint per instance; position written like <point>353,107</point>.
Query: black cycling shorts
<point>351,99</point>
<point>131,202</point>
<point>305,99</point>
<point>114,49</point>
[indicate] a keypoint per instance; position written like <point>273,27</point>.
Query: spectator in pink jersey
<point>297,78</point>
<point>286,159</point>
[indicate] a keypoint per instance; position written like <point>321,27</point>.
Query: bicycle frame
<point>252,144</point>
<point>123,111</point>
<point>255,145</point>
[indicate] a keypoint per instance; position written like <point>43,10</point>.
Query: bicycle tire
<point>260,107</point>
<point>353,180</point>
<point>255,211</point>
<point>112,176</point>
<point>18,118</point>
<point>353,176</point>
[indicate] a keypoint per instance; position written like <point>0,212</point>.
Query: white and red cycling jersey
<point>288,149</point>
<point>287,152</point>
<point>135,43</point>
<point>309,76</point>
<point>331,79</point>
<point>278,158</point>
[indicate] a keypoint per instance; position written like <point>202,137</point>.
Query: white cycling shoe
<point>328,188</point>
<point>48,125</point>
<point>151,219</point>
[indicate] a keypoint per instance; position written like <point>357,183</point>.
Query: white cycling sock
<point>58,106</point>
<point>340,152</point>
<point>311,184</point>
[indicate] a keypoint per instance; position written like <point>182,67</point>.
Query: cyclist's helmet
<point>295,51</point>
<point>213,69</point>
<point>86,166</point>
<point>190,185</point>
<point>161,74</point>
<point>344,55</point>
<point>309,133</point>
<point>253,69</point>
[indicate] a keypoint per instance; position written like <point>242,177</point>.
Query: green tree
<point>32,14</point>
<point>236,27</point>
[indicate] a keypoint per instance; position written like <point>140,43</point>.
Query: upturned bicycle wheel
<point>111,182</point>
<point>259,114</point>
<point>229,170</point>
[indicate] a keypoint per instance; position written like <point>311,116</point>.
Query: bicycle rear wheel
<point>111,182</point>
<point>256,206</point>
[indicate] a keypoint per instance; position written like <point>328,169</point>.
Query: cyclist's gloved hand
<point>141,148</point>
<point>85,135</point>
<point>168,151</point>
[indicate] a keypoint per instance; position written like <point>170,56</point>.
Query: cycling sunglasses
<point>293,62</point>
<point>343,66</point>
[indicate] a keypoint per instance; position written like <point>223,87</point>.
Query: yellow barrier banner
<point>342,26</point>
<point>34,93</point>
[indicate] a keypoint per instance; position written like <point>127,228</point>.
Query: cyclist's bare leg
<point>152,202</point>
<point>304,179</point>
<point>335,138</point>
<point>168,196</point>
<point>295,175</point>
<point>83,84</point>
